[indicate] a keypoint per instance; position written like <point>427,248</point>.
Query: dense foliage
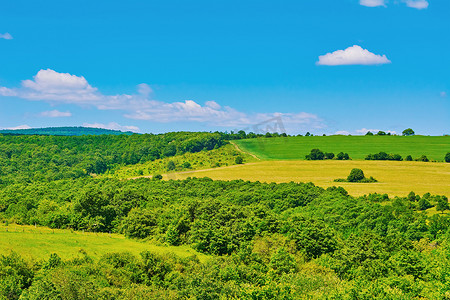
<point>384,156</point>
<point>267,240</point>
<point>46,158</point>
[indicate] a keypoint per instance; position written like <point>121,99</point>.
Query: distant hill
<point>64,131</point>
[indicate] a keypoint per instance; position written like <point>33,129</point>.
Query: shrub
<point>447,157</point>
<point>369,133</point>
<point>342,156</point>
<point>186,165</point>
<point>329,155</point>
<point>384,156</point>
<point>171,166</point>
<point>239,160</point>
<point>409,158</point>
<point>423,158</point>
<point>356,175</point>
<point>315,154</point>
<point>157,177</point>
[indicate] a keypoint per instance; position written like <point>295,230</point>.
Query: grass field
<point>224,156</point>
<point>40,242</point>
<point>396,178</point>
<point>434,147</point>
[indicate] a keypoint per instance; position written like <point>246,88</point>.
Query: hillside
<point>434,147</point>
<point>65,131</point>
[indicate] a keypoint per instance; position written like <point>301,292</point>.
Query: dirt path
<point>174,174</point>
<point>240,150</point>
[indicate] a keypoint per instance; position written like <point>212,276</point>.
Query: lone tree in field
<point>447,157</point>
<point>355,175</point>
<point>408,132</point>
<point>239,160</point>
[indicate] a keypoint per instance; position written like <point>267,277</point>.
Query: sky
<point>323,66</point>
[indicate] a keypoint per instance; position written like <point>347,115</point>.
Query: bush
<point>239,160</point>
<point>171,166</point>
<point>342,156</point>
<point>409,158</point>
<point>186,165</point>
<point>447,157</point>
<point>356,175</point>
<point>329,155</point>
<point>157,177</point>
<point>384,156</point>
<point>423,158</point>
<point>315,154</point>
<point>408,132</point>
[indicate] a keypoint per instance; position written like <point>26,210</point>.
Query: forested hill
<point>66,131</point>
<point>46,158</point>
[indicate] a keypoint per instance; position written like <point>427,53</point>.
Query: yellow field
<point>396,178</point>
<point>40,242</point>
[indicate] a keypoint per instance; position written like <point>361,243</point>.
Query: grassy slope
<point>395,178</point>
<point>40,242</point>
<point>435,147</point>
<point>224,156</point>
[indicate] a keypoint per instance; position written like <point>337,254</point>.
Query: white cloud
<point>56,114</point>
<point>18,127</point>
<point>418,4</point>
<point>374,131</point>
<point>112,126</point>
<point>372,3</point>
<point>354,55</point>
<point>342,132</point>
<point>56,88</point>
<point>6,36</point>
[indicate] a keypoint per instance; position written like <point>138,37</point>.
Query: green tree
<point>239,160</point>
<point>409,158</point>
<point>442,204</point>
<point>369,133</point>
<point>171,165</point>
<point>447,157</point>
<point>315,154</point>
<point>408,132</point>
<point>355,175</point>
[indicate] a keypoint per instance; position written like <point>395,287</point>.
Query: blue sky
<point>325,66</point>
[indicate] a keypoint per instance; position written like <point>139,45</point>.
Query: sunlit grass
<point>394,178</point>
<point>39,242</point>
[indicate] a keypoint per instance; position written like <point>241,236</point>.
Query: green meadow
<point>434,147</point>
<point>37,243</point>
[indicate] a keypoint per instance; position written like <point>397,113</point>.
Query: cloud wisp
<point>417,4</point>
<point>6,36</point>
<point>112,126</point>
<point>55,114</point>
<point>372,3</point>
<point>64,88</point>
<point>354,55</point>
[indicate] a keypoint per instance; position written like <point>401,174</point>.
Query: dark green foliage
<point>171,165</point>
<point>381,133</point>
<point>329,155</point>
<point>408,132</point>
<point>442,204</point>
<point>315,154</point>
<point>447,157</point>
<point>342,156</point>
<point>157,177</point>
<point>384,156</point>
<point>423,158</point>
<point>239,160</point>
<point>369,133</point>
<point>409,158</point>
<point>355,175</point>
<point>186,165</point>
<point>46,158</point>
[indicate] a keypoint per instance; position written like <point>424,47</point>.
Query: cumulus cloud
<point>6,36</point>
<point>112,126</point>
<point>55,114</point>
<point>56,88</point>
<point>354,55</point>
<point>18,127</point>
<point>372,3</point>
<point>418,4</point>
